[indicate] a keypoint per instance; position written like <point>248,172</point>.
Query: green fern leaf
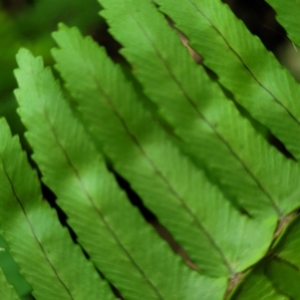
<point>244,66</point>
<point>200,113</point>
<point>120,243</point>
<point>288,15</point>
<point>285,278</point>
<point>280,272</point>
<point>288,245</point>
<point>256,285</point>
<point>38,243</point>
<point>284,269</point>
<point>7,292</point>
<point>193,210</point>
<point>12,270</point>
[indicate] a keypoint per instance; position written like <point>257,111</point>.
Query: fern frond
<point>50,262</point>
<point>287,13</point>
<point>195,212</point>
<point>288,245</point>
<point>7,291</point>
<point>281,270</point>
<point>120,243</point>
<point>285,278</point>
<point>12,270</point>
<point>215,132</point>
<point>244,66</point>
<point>256,285</point>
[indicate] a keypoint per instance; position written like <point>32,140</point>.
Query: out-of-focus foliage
<point>30,25</point>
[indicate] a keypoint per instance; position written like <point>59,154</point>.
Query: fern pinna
<point>227,198</point>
